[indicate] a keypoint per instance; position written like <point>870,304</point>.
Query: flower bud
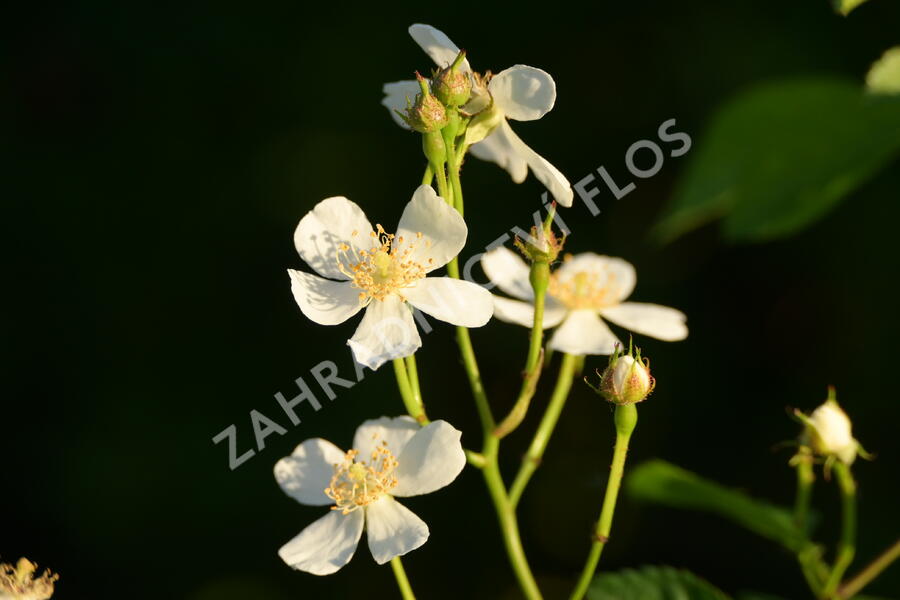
<point>451,86</point>
<point>541,246</point>
<point>627,378</point>
<point>829,431</point>
<point>426,114</point>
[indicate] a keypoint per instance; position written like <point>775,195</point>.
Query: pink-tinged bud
<point>627,378</point>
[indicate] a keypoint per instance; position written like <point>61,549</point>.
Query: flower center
<point>358,483</point>
<point>584,290</point>
<point>384,268</point>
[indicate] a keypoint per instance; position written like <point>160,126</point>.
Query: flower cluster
<point>388,274</point>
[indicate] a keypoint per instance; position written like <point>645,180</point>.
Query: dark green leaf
<point>779,156</point>
<point>664,483</point>
<point>652,583</point>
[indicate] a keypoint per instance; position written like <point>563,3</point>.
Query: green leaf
<point>781,155</point>
<point>884,75</point>
<point>845,6</point>
<point>652,583</point>
<point>664,483</point>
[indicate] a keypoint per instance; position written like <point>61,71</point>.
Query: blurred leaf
<point>845,6</point>
<point>884,75</point>
<point>652,583</point>
<point>664,483</point>
<point>780,155</point>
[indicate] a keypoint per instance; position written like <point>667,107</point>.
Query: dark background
<point>158,159</point>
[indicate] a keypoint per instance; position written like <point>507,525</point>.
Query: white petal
<point>395,98</point>
<point>432,459</point>
<point>443,230</point>
<point>393,529</point>
<point>498,148</point>
<point>326,545</point>
<point>546,173</point>
<point>386,332</point>
<point>607,271</point>
<point>507,269</point>
<point>324,301</point>
<point>374,432</point>
<point>437,45</point>
<point>583,333</point>
<point>321,231</point>
<point>523,93</point>
<point>454,301</point>
<point>657,321</point>
<point>522,313</point>
<point>306,473</point>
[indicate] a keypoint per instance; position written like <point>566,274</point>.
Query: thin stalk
<point>548,423</point>
<point>626,420</point>
<point>540,273</point>
<point>805,480</point>
<point>415,408</point>
<point>402,581</point>
<point>509,526</point>
<point>873,570</point>
<point>847,545</point>
<point>413,372</point>
<point>427,176</point>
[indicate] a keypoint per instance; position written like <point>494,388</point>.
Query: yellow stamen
<point>358,483</point>
<point>585,290</point>
<point>383,269</point>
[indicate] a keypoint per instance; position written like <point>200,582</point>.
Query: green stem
<point>402,582</point>
<point>427,176</point>
<point>489,465</point>
<point>413,406</point>
<point>864,577</point>
<point>805,480</point>
<point>847,545</point>
<point>542,437</point>
<point>626,420</point>
<point>808,556</point>
<point>413,372</point>
<point>506,514</point>
<point>539,276</point>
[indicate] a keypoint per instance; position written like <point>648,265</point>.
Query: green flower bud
<point>541,246</point>
<point>627,378</point>
<point>451,86</point>
<point>426,114</point>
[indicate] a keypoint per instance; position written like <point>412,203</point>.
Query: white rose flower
<point>520,93</point>
<point>384,273</point>
<point>390,458</point>
<point>586,287</point>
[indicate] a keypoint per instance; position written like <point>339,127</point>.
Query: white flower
<point>520,93</point>
<point>586,287</point>
<point>831,432</point>
<point>390,457</point>
<point>20,582</point>
<point>384,273</point>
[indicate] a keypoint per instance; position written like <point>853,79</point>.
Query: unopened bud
<point>626,379</point>
<point>426,114</point>
<point>541,245</point>
<point>452,86</point>
<point>829,431</point>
